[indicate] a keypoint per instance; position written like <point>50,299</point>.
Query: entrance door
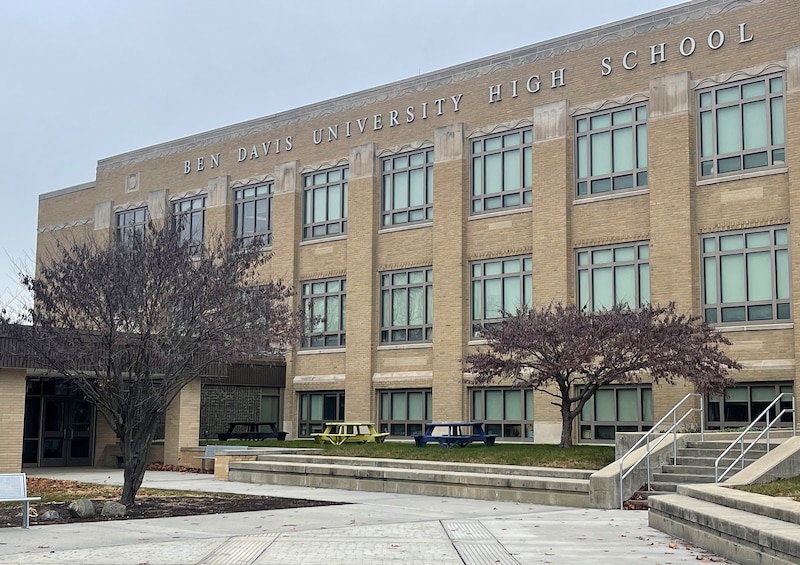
<point>66,432</point>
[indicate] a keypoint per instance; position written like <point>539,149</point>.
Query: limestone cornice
<point>66,225</point>
<point>324,165</point>
<point>752,223</point>
<point>593,37</point>
<point>405,148</point>
<point>741,74</point>
<point>498,128</point>
<point>504,254</point>
<point>619,239</point>
<point>610,103</point>
<point>253,180</point>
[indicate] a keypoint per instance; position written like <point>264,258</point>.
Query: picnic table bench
<point>211,452</point>
<point>449,434</point>
<point>339,432</point>
<point>251,431</point>
<point>14,488</point>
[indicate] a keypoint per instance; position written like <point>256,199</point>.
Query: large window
<point>252,213</point>
<point>190,219</point>
<point>316,408</point>
<point>325,203</point>
<point>498,286</point>
<point>407,306</point>
<point>741,404</point>
<point>613,275</point>
<point>746,276</point>
<point>502,171</point>
<point>131,227</point>
<point>404,412</point>
<point>615,409</point>
<point>506,412</point>
<point>324,308</point>
<point>407,188</point>
<point>742,126</point>
<point>611,150</point>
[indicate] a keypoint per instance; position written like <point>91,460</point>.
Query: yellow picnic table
<point>339,432</point>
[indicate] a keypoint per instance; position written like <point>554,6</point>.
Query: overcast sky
<point>87,79</point>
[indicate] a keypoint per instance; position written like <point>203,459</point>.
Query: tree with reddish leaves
<point>568,353</point>
<point>132,324</point>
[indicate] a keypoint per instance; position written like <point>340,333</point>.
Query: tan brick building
<point>653,159</point>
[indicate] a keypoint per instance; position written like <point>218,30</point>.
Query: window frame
<point>131,227</point>
<point>718,405</point>
<point>482,149</point>
<point>391,423</point>
<point>709,156</point>
<point>308,296</point>
<point>506,427</point>
<point>640,264</point>
<point>389,333</point>
<point>780,302</point>
<point>479,279</point>
<point>251,196</point>
<point>306,423</point>
<point>398,166</point>
<point>194,209</point>
<point>588,184</point>
<point>335,222</point>
<point>592,430</point>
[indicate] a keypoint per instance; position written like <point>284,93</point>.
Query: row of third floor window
<point>741,128</point>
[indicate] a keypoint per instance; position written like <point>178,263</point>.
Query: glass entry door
<point>66,432</point>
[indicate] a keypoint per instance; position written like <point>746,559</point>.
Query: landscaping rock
<point>82,508</point>
<point>113,509</point>
<point>49,516</point>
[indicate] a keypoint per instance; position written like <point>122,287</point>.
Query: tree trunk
<point>566,425</point>
<point>134,454</point>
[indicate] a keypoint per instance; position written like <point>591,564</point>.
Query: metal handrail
<point>645,439</point>
<point>768,425</point>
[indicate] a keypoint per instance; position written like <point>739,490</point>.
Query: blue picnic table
<point>449,434</point>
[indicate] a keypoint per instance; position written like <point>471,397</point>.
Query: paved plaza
<point>374,528</point>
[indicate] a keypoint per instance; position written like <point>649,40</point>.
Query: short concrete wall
<point>780,463</point>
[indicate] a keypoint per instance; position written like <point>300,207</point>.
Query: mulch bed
<point>159,506</point>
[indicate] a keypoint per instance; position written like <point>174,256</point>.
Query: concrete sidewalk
<point>374,528</point>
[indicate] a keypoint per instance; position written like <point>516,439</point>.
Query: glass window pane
<point>494,404</point>
<point>730,94</point>
<point>729,130</point>
<point>778,121</point>
<point>647,405</point>
<point>624,254</point>
<point>644,285</point>
<point>754,118</point>
<point>398,406</point>
<point>732,278</point>
<point>493,299</point>
<point>400,192</point>
<point>601,153</point>
<point>399,307</point>
<point>602,290</point>
<point>511,294</point>
<point>706,134</point>
<point>623,149</point>
<point>416,406</point>
<point>416,306</point>
<point>494,173</point>
<point>627,405</point>
<point>625,285</point>
<point>583,289</point>
<point>512,170</point>
<point>334,202</point>
<point>759,276</point>
<point>513,400</point>
<point>582,157</point>
<point>731,242</point>
<point>417,190</point>
<point>710,280</point>
<point>605,408</point>
<point>641,146</point>
<point>782,273</point>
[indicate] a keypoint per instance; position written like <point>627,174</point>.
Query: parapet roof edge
<point>68,190</point>
<point>635,25</point>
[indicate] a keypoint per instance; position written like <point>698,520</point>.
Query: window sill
<point>742,176</point>
<point>321,350</point>
<point>755,327</point>
<point>405,227</point>
<point>397,346</point>
<point>610,196</point>
<point>478,342</point>
<point>500,213</point>
<point>325,239</point>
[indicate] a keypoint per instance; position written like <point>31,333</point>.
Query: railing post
<point>702,419</point>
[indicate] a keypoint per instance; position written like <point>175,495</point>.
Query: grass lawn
<point>784,487</point>
<point>535,455</point>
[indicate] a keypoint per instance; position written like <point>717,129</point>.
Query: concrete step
<point>683,478</point>
<point>756,535</point>
<point>707,453</point>
<point>464,481</point>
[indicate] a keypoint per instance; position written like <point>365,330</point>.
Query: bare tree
<point>568,353</point>
<point>130,325</point>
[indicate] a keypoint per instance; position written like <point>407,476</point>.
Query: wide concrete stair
<point>694,465</point>
<point>540,485</point>
<point>744,527</point>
